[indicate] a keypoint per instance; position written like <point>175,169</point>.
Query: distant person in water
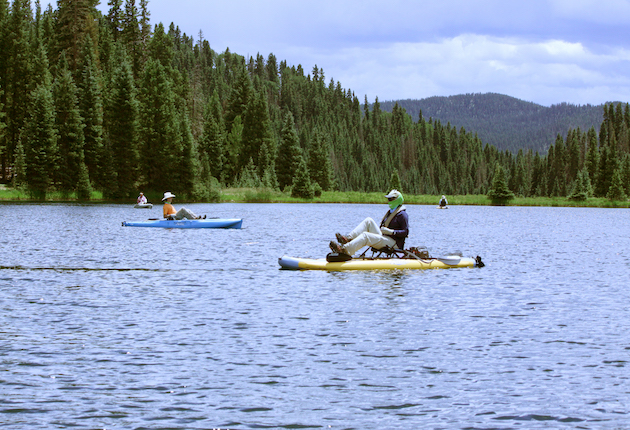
<point>142,199</point>
<point>392,232</point>
<point>170,212</point>
<point>443,202</point>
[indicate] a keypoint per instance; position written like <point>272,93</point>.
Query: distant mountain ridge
<point>503,121</point>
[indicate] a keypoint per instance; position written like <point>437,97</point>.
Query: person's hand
<point>387,231</point>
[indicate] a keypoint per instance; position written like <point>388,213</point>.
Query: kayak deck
<point>188,223</point>
<point>451,261</point>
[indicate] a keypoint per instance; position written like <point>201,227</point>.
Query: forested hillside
<point>503,121</point>
<point>116,104</point>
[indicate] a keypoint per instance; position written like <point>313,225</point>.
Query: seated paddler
<point>169,210</point>
<point>392,231</point>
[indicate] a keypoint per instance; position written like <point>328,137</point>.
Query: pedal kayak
<point>448,262</point>
<point>187,223</point>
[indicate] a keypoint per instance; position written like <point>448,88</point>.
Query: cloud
<point>545,72</point>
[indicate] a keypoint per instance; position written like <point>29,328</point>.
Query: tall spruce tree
<point>18,77</point>
<point>289,153</point>
<point>69,125</point>
<point>582,187</point>
<point>160,137</point>
<point>91,110</point>
<point>616,190</point>
<point>500,194</point>
<point>256,130</point>
<point>188,165</point>
<point>302,185</point>
<point>42,141</point>
<point>319,164</point>
<point>75,21</point>
<point>123,128</point>
<point>212,144</point>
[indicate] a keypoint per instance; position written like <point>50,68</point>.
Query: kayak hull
<point>187,223</point>
<point>143,206</point>
<point>453,261</point>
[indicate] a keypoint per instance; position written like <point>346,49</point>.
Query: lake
<point>111,327</point>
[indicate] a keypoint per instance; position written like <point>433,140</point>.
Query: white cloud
<point>545,72</point>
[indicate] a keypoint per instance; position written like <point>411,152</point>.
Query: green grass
<point>265,195</point>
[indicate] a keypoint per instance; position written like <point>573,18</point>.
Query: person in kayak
<point>142,199</point>
<point>392,232</point>
<point>443,202</point>
<point>170,212</point>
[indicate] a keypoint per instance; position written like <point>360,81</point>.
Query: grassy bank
<point>256,195</point>
<point>244,195</point>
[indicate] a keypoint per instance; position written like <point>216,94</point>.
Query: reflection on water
<point>110,327</point>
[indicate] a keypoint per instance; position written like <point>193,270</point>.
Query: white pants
<point>185,213</point>
<point>367,233</point>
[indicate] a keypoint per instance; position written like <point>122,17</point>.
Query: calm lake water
<point>111,327</point>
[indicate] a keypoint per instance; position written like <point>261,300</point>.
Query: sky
<point>542,51</point>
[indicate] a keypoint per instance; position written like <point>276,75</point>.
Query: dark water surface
<point>110,327</point>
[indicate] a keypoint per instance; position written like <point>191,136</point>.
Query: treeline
<point>110,103</point>
<point>503,121</point>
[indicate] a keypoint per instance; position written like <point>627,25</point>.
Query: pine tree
<point>616,190</point>
<point>289,153</point>
<point>75,21</point>
<point>213,138</point>
<point>4,61</point>
<point>256,130</point>
<point>233,147</point>
<point>123,130</point>
<point>604,172</point>
<point>115,17</point>
<point>18,77</point>
<point>302,186</point>
<point>240,96</point>
<point>161,47</point>
<point>132,37</point>
<point>42,140</point>
<point>319,164</point>
<point>500,194</point>
<point>161,142</point>
<point>582,187</point>
<point>267,167</point>
<point>592,155</point>
<point>187,168</point>
<point>84,188</point>
<point>69,125</point>
<point>625,173</point>
<point>91,110</point>
<point>20,179</point>
<point>394,181</point>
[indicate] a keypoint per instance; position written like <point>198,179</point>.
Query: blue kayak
<point>187,223</point>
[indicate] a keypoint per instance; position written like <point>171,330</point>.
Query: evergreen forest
<point>114,104</point>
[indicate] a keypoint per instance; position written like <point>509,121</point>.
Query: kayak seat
<point>386,252</point>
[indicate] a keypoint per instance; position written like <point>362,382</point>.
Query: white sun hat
<point>168,195</point>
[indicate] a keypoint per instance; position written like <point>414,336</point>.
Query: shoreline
<point>252,195</point>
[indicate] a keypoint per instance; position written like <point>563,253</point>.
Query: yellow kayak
<point>448,262</point>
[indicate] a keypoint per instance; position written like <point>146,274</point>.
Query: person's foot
<point>341,238</point>
<point>335,247</point>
